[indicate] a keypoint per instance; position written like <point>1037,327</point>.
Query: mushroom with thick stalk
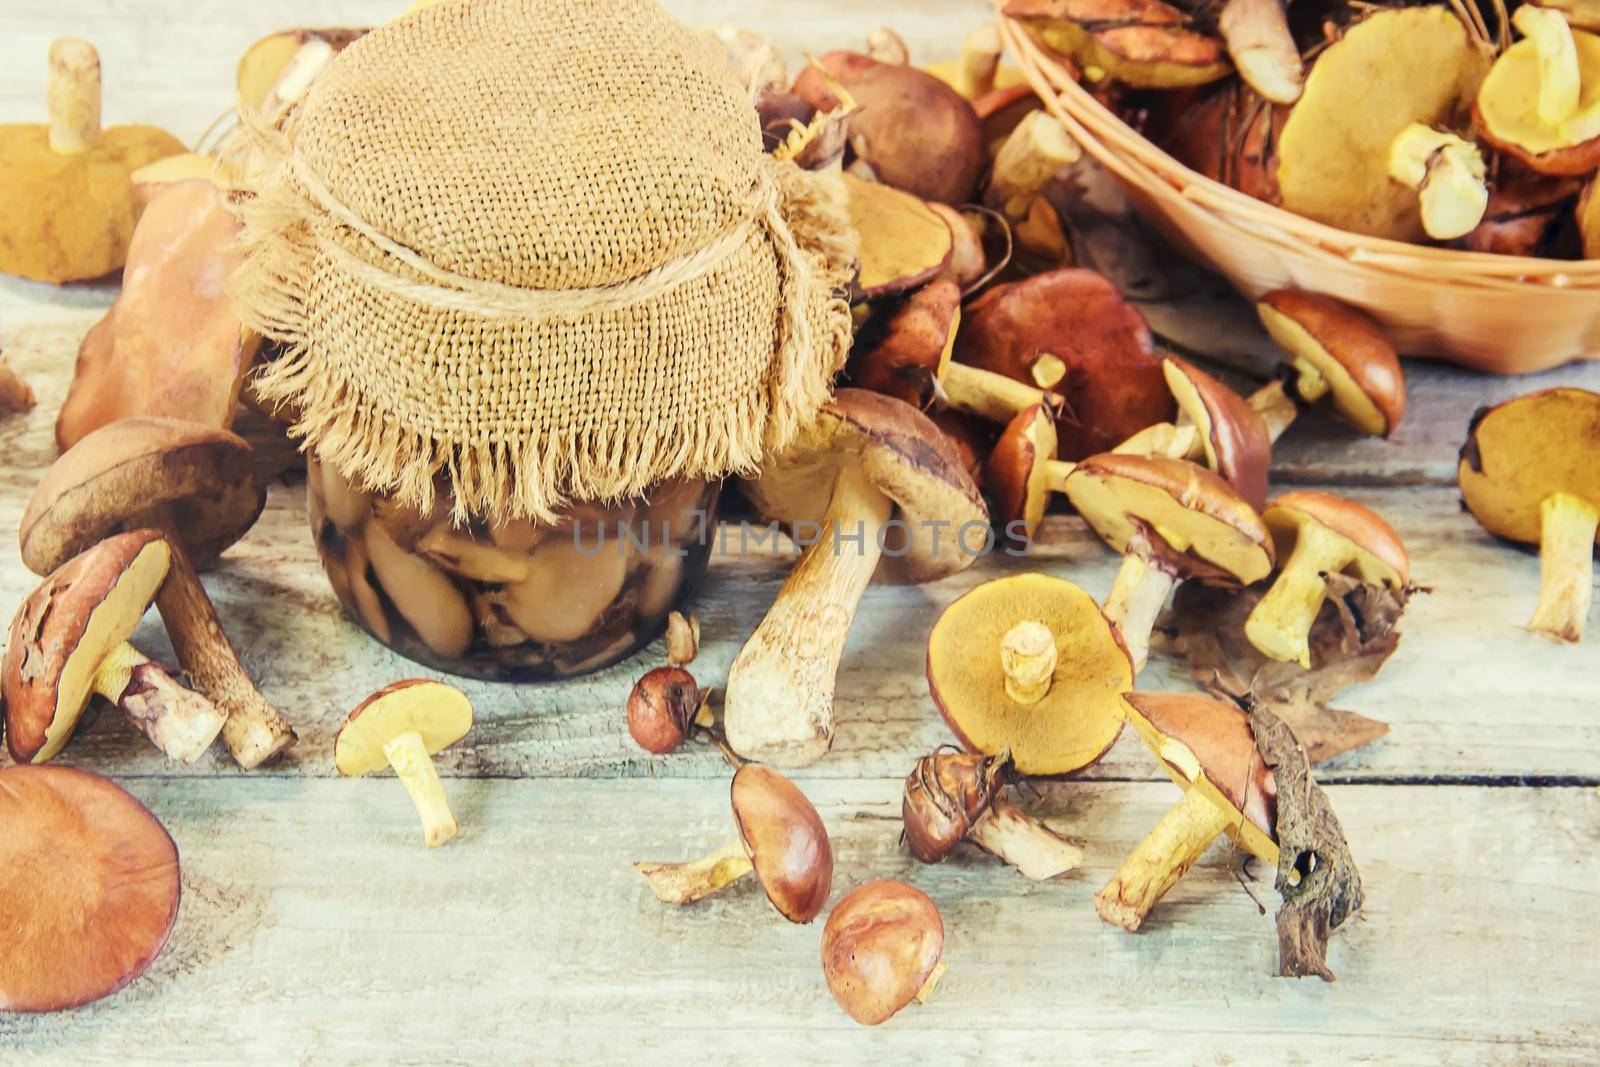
<point>190,483</point>
<point>1028,664</point>
<point>1171,520</point>
<point>1316,535</point>
<point>1528,472</point>
<point>1449,175</point>
<point>1209,750</point>
<point>1036,151</point>
<point>951,797</point>
<point>89,888</point>
<point>1540,102</point>
<point>904,242</point>
<point>881,949</point>
<point>404,726</point>
<point>1143,44</point>
<point>875,481</point>
<point>779,836</point>
<point>69,641</point>
<point>1337,359</point>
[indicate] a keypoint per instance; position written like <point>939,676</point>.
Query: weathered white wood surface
<point>315,929</point>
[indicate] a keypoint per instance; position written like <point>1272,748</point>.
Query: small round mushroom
<point>1338,359</point>
<point>904,242</point>
<point>664,707</point>
<point>192,484</point>
<point>1315,535</point>
<point>404,726</point>
<point>985,665</point>
<point>69,641</point>
<point>89,888</point>
<point>1207,748</point>
<point>1529,473</point>
<point>779,836</point>
<point>1540,102</point>
<point>881,949</point>
<point>876,481</point>
<point>950,797</point>
<point>1171,520</point>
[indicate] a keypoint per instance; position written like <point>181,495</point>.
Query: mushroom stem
<point>73,95</point>
<point>1567,525</point>
<point>1055,474</point>
<point>1019,839</point>
<point>1280,625</point>
<point>1163,857</point>
<point>685,883</point>
<point>926,990</point>
<point>778,704</point>
<point>408,755</point>
<point>180,722</point>
<point>986,394</point>
<point>255,731</point>
<point>1262,48</point>
<point>1448,174</point>
<point>1028,659</point>
<point>1560,80</point>
<point>1136,598</point>
<point>980,61</point>
<point>1275,406</point>
<point>1164,439</point>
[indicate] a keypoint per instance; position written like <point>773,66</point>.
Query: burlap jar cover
<point>531,251</point>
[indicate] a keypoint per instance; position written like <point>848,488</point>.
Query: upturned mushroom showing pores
<point>403,726</point>
<point>89,888</point>
<point>1318,534</point>
<point>69,642</point>
<point>1208,749</point>
<point>1171,520</point>
<point>780,837</point>
<point>904,242</point>
<point>1529,473</point>
<point>881,949</point>
<point>1336,358</point>
<point>874,481</point>
<point>1540,102</point>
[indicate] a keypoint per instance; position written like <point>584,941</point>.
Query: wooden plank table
<point>315,929</point>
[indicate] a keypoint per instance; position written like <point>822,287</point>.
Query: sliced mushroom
<point>1337,359</point>
<point>404,726</point>
<point>422,593</point>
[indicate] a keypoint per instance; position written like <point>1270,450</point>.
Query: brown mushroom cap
<point>1222,531</point>
<point>89,888</point>
<point>879,947</point>
<point>1367,388</point>
<point>121,471</point>
<point>440,713</point>
<point>916,346</point>
<point>1524,450</point>
<point>944,794</point>
<point>1234,435</point>
<point>1381,557</point>
<point>1145,44</point>
<point>903,241</point>
<point>1113,386</point>
<point>1206,744</point>
<point>1079,717</point>
<point>1015,474</point>
<point>905,457</point>
<point>787,843</point>
<point>914,131</point>
<point>64,631</point>
<point>1506,113</point>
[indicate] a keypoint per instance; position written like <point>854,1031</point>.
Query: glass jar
<point>520,601</point>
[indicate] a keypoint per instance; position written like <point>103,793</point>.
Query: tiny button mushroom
<point>882,948</point>
<point>69,642</point>
<point>1529,473</point>
<point>1338,359</point>
<point>89,888</point>
<point>1318,534</point>
<point>664,707</point>
<point>1209,750</point>
<point>779,836</point>
<point>1540,102</point>
<point>403,726</point>
<point>1449,175</point>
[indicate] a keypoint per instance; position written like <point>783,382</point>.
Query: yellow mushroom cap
<point>440,713</point>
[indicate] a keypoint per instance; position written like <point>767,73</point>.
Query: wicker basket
<point>1502,314</point>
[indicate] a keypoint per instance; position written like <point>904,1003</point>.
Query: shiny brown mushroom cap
<point>1191,509</point>
<point>1367,388</point>
<point>944,794</point>
<point>89,888</point>
<point>1383,557</point>
<point>1015,472</point>
<point>1234,435</point>
<point>787,843</point>
<point>65,629</point>
<point>879,947</point>
<point>1527,449</point>
<point>915,347</point>
<point>905,457</point>
<point>124,470</point>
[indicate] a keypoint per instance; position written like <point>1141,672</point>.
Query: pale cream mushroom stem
<point>1566,565</point>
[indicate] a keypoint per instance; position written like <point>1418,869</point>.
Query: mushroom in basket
<point>1540,102</point>
<point>1143,44</point>
<point>881,950</point>
<point>404,726</point>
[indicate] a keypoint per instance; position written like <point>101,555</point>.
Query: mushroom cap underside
<point>1234,435</point>
<point>1366,386</point>
<point>904,242</point>
<point>440,713</point>
<point>1507,110</point>
<point>1381,555</point>
<point>1526,449</point>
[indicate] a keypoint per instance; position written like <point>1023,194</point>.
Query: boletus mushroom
<point>1318,534</point>
<point>69,206</point>
<point>875,481</point>
<point>1337,359</point>
<point>1143,44</point>
<point>1028,664</point>
<point>1208,749</point>
<point>192,484</point>
<point>951,797</point>
<point>664,707</point>
<point>89,888</point>
<point>69,641</point>
<point>1262,48</point>
<point>1540,102</point>
<point>1528,473</point>
<point>882,948</point>
<point>404,726</point>
<point>779,836</point>
<point>1171,520</point>
<point>904,242</point>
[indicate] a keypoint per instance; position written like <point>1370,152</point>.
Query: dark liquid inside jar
<point>519,601</point>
